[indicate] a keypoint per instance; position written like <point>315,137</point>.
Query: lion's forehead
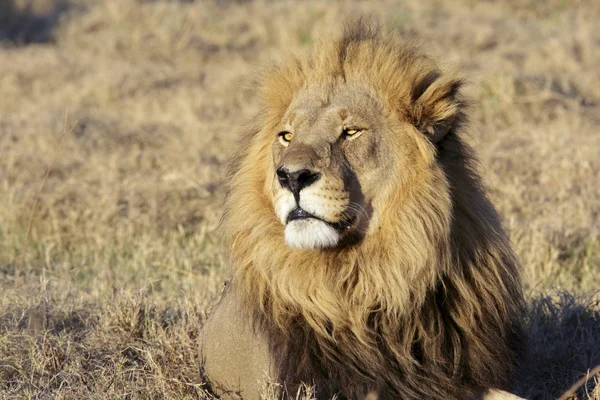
<point>334,106</point>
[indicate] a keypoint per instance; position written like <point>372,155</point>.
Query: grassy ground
<point>123,258</point>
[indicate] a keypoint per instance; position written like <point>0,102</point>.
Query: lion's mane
<point>426,306</point>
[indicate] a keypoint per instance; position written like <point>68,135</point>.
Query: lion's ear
<point>436,105</point>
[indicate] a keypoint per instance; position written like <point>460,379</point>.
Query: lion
<point>367,260</point>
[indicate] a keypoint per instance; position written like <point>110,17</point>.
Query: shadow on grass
<point>29,21</point>
<point>564,345</point>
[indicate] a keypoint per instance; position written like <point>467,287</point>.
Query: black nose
<point>295,181</point>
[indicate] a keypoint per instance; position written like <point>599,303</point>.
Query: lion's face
<point>333,163</point>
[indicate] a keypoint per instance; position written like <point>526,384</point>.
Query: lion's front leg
<point>235,358</point>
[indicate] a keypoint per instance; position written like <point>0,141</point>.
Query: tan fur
<point>426,301</point>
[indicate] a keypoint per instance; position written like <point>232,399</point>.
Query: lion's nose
<point>295,181</point>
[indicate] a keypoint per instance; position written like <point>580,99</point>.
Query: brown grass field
<point>136,106</point>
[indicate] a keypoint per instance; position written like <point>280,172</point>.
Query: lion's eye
<point>352,133</point>
<point>285,138</point>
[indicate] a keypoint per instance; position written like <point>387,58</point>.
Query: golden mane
<point>435,292</point>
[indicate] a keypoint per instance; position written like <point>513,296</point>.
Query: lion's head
<point>353,208</point>
<point>350,139</point>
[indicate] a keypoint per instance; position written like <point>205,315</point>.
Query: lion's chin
<point>310,234</point>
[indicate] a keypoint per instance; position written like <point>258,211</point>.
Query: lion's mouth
<point>298,214</point>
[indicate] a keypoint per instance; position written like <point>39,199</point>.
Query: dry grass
<point>123,258</point>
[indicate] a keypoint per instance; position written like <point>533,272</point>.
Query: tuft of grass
<point>125,347</point>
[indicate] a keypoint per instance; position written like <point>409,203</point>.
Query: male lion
<point>367,260</point>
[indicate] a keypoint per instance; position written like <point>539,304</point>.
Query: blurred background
<point>135,106</point>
